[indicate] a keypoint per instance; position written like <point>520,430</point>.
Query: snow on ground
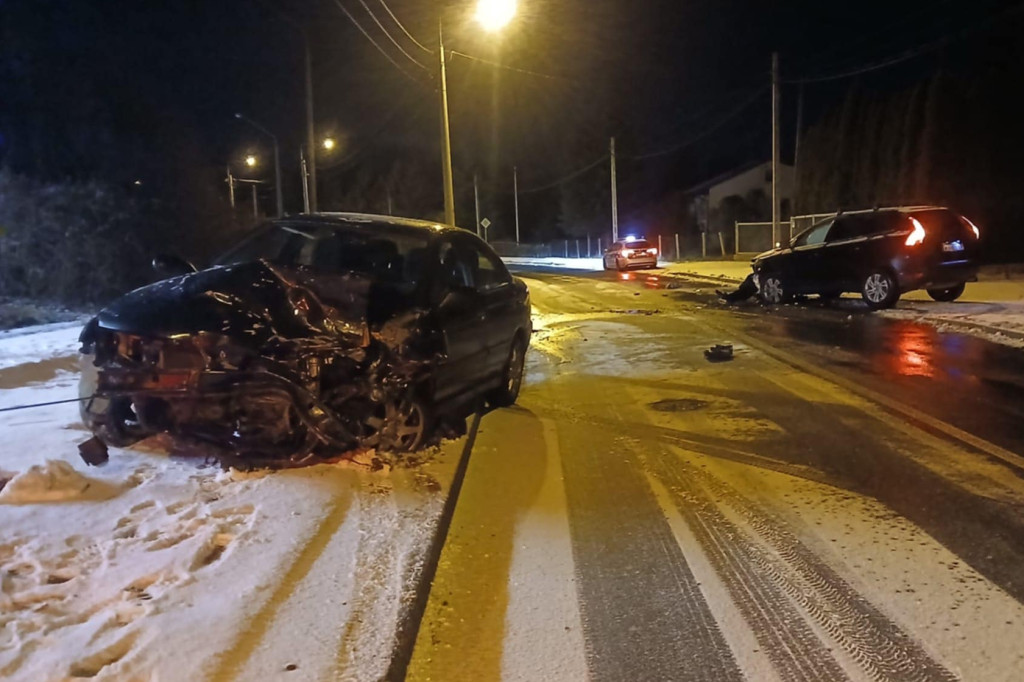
<point>159,565</point>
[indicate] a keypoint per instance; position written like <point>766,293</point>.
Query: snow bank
<point>36,344</point>
<point>55,481</point>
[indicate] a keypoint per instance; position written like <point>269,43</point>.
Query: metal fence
<point>753,237</point>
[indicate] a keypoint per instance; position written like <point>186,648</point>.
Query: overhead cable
<point>393,41</point>
<point>406,32</point>
<point>576,173</point>
<point>701,135</point>
<point>499,65</point>
<point>374,42</point>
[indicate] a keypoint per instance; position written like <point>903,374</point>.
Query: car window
<point>815,235</point>
<point>851,227</point>
<point>490,271</point>
<point>457,266</point>
<point>390,257</point>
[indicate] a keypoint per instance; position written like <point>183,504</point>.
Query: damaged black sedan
<point>315,334</point>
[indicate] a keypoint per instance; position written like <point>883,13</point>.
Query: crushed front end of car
<point>251,359</point>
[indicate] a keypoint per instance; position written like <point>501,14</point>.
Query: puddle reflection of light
<point>914,353</point>
<point>625,276</point>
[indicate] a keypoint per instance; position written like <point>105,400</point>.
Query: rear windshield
<point>636,244</point>
<point>943,224</point>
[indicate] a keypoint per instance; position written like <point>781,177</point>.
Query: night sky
<point>148,89</point>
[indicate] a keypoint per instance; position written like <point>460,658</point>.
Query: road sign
<point>485,223</point>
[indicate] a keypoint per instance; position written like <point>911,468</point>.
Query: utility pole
<point>615,197</point>
<point>476,203</point>
<point>799,126</point>
<point>305,180</point>
<point>515,188</point>
<point>446,138</point>
<point>310,134</point>
<point>255,206</point>
<point>776,231</point>
<point>231,187</point>
<point>387,189</point>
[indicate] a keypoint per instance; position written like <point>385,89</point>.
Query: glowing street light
<point>494,15</point>
<point>329,143</point>
<point>250,161</point>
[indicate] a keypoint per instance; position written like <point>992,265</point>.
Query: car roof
<point>390,224</point>
<point>901,209</point>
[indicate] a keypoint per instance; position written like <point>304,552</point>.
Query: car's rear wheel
<point>880,290</point>
<point>621,265</point>
<point>512,377</point>
<point>948,294</point>
<point>772,291</point>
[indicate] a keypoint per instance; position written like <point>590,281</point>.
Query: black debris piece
<point>94,452</point>
<point>720,352</point>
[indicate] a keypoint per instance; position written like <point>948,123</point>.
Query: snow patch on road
<point>55,481</point>
<point>36,344</point>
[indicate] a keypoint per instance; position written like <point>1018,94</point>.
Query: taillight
<point>977,232</point>
<point>917,235</point>
<point>626,253</point>
<point>653,252</point>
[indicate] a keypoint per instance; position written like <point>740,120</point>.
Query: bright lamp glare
<point>630,238</point>
<point>250,160</point>
<point>329,143</point>
<point>495,14</point>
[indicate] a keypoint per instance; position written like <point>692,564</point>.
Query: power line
<point>909,54</point>
<point>511,68</point>
<point>576,173</point>
<point>699,136</point>
<point>374,42</point>
<point>393,41</point>
<point>406,32</point>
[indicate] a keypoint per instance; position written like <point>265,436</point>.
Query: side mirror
<point>167,265</point>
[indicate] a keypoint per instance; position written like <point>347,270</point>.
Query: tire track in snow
<point>789,642</point>
<point>644,615</point>
<point>878,644</point>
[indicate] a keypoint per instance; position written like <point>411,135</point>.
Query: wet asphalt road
<point>722,520</point>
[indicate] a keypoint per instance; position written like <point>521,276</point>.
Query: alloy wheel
<point>772,291</point>
<point>877,289</point>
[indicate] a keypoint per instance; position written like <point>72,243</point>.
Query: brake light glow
<point>626,253</point>
<point>917,236</point>
<point>977,232</point>
<point>653,252</point>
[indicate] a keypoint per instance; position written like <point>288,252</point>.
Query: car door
<point>496,294</point>
<point>460,316</point>
<point>806,267</point>
<point>845,250</point>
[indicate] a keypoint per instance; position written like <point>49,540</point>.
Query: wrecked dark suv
<point>315,333</point>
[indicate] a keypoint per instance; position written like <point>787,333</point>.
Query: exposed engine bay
<point>270,363</point>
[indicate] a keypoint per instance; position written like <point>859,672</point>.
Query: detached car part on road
<point>880,254</point>
<point>316,333</point>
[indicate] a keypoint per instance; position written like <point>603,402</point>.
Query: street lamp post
<point>492,15</point>
<point>277,161</point>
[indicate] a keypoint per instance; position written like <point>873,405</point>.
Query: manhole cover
<point>678,405</point>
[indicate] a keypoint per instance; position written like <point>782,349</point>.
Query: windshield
<point>373,250</point>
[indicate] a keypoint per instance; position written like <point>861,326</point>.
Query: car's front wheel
<point>512,377</point>
<point>772,291</point>
<point>880,290</point>
<point>948,294</point>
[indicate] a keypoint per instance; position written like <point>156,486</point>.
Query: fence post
<point>721,242</point>
<point>659,249</point>
<point>588,246</point>
<point>566,248</point>
<point>678,255</point>
<point>703,244</point>
<point>736,244</point>
<point>577,248</point>
<point>599,251</point>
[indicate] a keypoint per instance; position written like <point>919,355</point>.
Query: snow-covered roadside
<point>162,566</point>
<point>566,263</point>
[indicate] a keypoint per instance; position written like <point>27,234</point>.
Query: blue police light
<point>630,238</point>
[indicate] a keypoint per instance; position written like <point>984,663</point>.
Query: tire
<point>507,392</point>
<point>880,290</point>
<point>398,425</point>
<point>772,291</point>
<point>620,266</point>
<point>949,294</point>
